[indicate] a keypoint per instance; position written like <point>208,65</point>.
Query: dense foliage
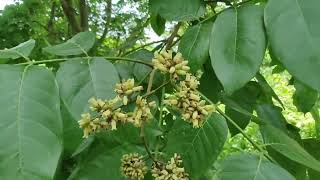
<point>84,95</point>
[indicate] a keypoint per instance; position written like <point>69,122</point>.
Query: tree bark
<point>71,16</point>
<point>83,15</point>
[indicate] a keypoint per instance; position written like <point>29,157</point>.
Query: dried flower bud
<point>133,166</point>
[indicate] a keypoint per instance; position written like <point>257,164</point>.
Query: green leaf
<point>72,134</point>
<point>31,127</point>
<point>22,50</point>
<point>81,43</point>
<point>250,167</point>
<point>293,31</point>
<point>288,147</point>
<point>194,45</point>
<point>304,98</point>
<point>103,161</point>
<point>267,89</point>
<point>140,71</point>
<point>275,62</point>
<point>157,23</point>
<point>210,86</point>
<point>237,46</point>
<point>272,115</point>
<point>313,146</point>
<point>178,10</point>
<point>80,79</point>
<point>246,97</point>
<point>124,70</point>
<point>200,147</point>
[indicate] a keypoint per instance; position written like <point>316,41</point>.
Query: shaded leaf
<point>288,147</point>
<point>210,86</point>
<point>313,146</point>
<point>304,98</point>
<point>267,89</point>
<point>157,23</point>
<point>140,71</point>
<point>245,97</point>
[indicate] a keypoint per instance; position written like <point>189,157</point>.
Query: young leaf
<point>237,46</point>
<point>194,45</point>
<point>158,24</point>
<point>31,127</point>
<point>178,10</point>
<point>288,147</point>
<point>200,147</point>
<point>80,79</point>
<point>293,32</point>
<point>81,43</point>
<point>22,50</point>
<point>246,166</point>
<point>304,98</point>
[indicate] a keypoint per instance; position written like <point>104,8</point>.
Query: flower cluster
<point>167,63</point>
<point>126,88</point>
<point>173,170</point>
<point>142,112</point>
<point>106,114</point>
<point>188,100</point>
<point>133,166</point>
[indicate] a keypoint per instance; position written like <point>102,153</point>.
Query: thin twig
<point>172,36</point>
<point>142,46</point>
<point>108,58</point>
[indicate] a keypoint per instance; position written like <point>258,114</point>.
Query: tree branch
<point>52,14</point>
<point>71,16</point>
<point>83,15</point>
<point>106,25</point>
<point>172,36</point>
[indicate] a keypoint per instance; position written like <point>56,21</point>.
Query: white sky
<point>3,3</point>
